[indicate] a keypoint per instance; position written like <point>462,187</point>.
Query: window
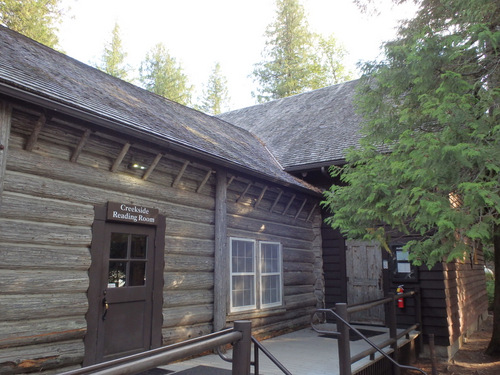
<point>256,276</point>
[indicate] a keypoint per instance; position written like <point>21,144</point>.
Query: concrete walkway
<point>302,352</point>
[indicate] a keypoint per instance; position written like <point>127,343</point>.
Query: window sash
<point>271,285</point>
<point>243,274</point>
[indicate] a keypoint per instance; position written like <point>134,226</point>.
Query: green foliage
<point>37,19</point>
<point>490,291</point>
<point>160,73</point>
<point>429,162</point>
<point>215,98</point>
<point>113,58</point>
<point>296,60</point>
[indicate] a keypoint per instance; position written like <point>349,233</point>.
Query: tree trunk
<point>494,345</point>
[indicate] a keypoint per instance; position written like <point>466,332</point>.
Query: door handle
<point>106,307</point>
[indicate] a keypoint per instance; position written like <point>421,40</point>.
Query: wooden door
<point>127,285</point>
<point>125,293</point>
<point>364,279</point>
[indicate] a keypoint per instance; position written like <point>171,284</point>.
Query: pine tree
<point>291,62</point>
<point>37,19</point>
<point>215,97</point>
<point>430,159</point>
<point>160,73</point>
<point>113,58</point>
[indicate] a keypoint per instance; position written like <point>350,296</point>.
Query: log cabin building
<point>128,221</point>
<point>119,209</point>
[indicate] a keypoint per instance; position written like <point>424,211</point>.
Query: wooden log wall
<point>454,302</point>
<point>282,217</point>
<point>58,169</point>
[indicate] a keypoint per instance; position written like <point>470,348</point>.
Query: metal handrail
<point>338,317</point>
<point>255,363</point>
<point>161,356</point>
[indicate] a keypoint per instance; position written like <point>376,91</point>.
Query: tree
<point>429,162</point>
<point>37,19</point>
<point>290,63</point>
<point>215,94</point>
<point>113,58</point>
<point>330,54</point>
<point>160,73</point>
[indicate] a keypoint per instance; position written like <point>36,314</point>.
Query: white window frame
<point>253,273</point>
<point>279,273</point>
<point>257,275</point>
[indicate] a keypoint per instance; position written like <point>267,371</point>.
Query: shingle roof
<point>29,67</point>
<point>313,128</point>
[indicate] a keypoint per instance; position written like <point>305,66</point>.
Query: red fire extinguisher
<point>401,301</point>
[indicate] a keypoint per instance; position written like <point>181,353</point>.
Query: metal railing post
<point>242,348</point>
<point>343,342</point>
<point>393,333</point>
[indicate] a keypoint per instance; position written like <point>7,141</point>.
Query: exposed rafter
<point>152,166</point>
<point>181,172</point>
<point>80,146</point>
<point>120,157</point>
<point>42,120</point>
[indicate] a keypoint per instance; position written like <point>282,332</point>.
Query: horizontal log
<point>193,246</point>
<point>192,229</point>
<point>27,256</point>
<point>39,186</point>
<point>176,334</point>
<point>188,280</point>
<point>41,357</point>
<point>61,170</point>
<point>285,241</point>
<point>299,278</point>
<point>187,316</point>
<point>297,267</point>
<point>260,214</point>
<point>41,330</point>
<point>300,301</point>
<point>29,281</point>
<point>188,263</point>
<point>19,231</point>
<point>29,306</point>
<point>269,228</point>
<point>21,206</point>
<point>175,298</point>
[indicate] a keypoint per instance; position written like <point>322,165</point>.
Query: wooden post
<point>221,256</point>
<point>393,332</point>
<point>343,342</point>
<point>5,120</point>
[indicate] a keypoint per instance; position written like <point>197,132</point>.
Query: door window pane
<point>139,245</point>
<point>117,274</point>
<point>137,273</point>
<point>118,246</point>
<point>127,263</point>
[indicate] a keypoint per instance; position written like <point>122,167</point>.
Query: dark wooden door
<point>125,311</point>
<point>365,279</point>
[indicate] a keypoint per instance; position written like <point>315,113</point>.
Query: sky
<point>199,33</point>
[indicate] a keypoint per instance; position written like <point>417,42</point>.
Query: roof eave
<point>43,101</point>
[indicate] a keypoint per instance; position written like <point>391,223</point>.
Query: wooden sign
<point>131,213</point>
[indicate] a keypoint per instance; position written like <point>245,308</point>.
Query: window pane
<point>118,246</point>
<point>243,291</point>
<point>270,258</point>
<point>242,256</point>
<point>137,273</point>
<point>117,274</point>
<point>139,245</point>
<point>271,289</point>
